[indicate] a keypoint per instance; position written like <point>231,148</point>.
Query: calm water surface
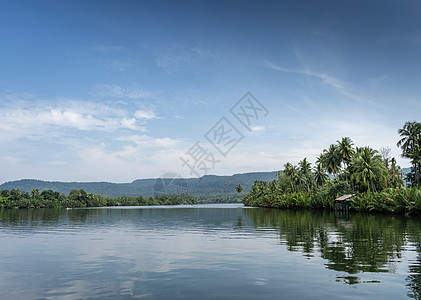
<point>207,252</point>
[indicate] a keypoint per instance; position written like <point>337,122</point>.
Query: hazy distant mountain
<point>205,186</point>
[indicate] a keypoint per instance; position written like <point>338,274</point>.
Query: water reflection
<point>175,252</point>
<point>351,243</point>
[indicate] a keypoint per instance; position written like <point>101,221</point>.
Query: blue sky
<point>120,90</point>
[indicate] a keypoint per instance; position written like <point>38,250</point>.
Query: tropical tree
<point>320,177</point>
<point>395,174</point>
<point>288,168</point>
<point>35,193</point>
<point>331,160</point>
<point>367,168</point>
<point>292,177</point>
<point>345,152</point>
<point>410,143</point>
<point>305,177</point>
<point>239,188</point>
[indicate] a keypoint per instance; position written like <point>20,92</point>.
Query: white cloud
<point>257,128</point>
<point>129,123</point>
<point>150,142</point>
<point>68,118</point>
<point>36,118</point>
<point>145,114</point>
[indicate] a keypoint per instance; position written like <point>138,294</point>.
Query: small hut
<point>343,202</point>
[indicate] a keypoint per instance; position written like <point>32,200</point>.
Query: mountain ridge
<point>206,185</point>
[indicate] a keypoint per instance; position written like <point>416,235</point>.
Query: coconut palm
<point>296,179</point>
<point>239,188</point>
<point>395,174</point>
<point>345,151</point>
<point>367,167</point>
<point>287,169</point>
<point>305,167</point>
<point>320,177</point>
<point>411,138</point>
<point>294,176</point>
<point>305,174</point>
<point>410,143</point>
<point>331,160</point>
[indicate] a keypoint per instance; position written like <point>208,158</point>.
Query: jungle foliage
<point>373,177</point>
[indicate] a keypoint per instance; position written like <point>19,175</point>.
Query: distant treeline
<point>16,198</point>
<point>205,187</point>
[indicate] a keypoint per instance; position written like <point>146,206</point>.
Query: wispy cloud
<point>258,128</point>
<point>114,91</point>
<point>326,79</point>
<point>177,58</point>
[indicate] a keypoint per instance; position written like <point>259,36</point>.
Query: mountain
<point>203,187</point>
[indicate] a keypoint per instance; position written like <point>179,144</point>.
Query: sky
<point>121,90</point>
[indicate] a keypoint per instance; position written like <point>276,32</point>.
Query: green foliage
<point>331,159</point>
<point>410,144</point>
<point>374,180</point>
<point>368,170</point>
<point>221,198</point>
<point>239,188</point>
<point>391,200</point>
<point>80,198</point>
<point>208,185</point>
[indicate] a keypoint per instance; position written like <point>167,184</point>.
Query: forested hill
<point>209,185</point>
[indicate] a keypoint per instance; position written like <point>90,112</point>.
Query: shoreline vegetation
<point>15,199</point>
<point>373,177</point>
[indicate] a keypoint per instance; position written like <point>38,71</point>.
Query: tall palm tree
<point>367,167</point>
<point>410,143</point>
<point>395,174</point>
<point>305,172</point>
<point>295,178</point>
<point>345,151</point>
<point>320,177</point>
<point>305,166</point>
<point>287,169</point>
<point>330,159</point>
<point>410,140</point>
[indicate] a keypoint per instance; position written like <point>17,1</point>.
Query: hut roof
<point>344,198</point>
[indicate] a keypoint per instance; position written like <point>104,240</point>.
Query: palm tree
<point>305,173</point>
<point>331,160</point>
<point>345,151</point>
<point>287,169</point>
<point>320,177</point>
<point>410,143</point>
<point>294,176</point>
<point>367,167</point>
<point>305,167</point>
<point>395,174</point>
<point>239,188</point>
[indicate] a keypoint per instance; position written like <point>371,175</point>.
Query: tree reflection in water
<point>351,243</point>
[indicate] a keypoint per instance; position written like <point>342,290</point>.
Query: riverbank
<point>391,200</point>
<point>16,199</point>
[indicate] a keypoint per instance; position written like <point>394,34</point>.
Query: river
<point>223,251</point>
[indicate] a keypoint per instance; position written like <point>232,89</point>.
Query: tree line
<point>79,198</point>
<point>373,176</point>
